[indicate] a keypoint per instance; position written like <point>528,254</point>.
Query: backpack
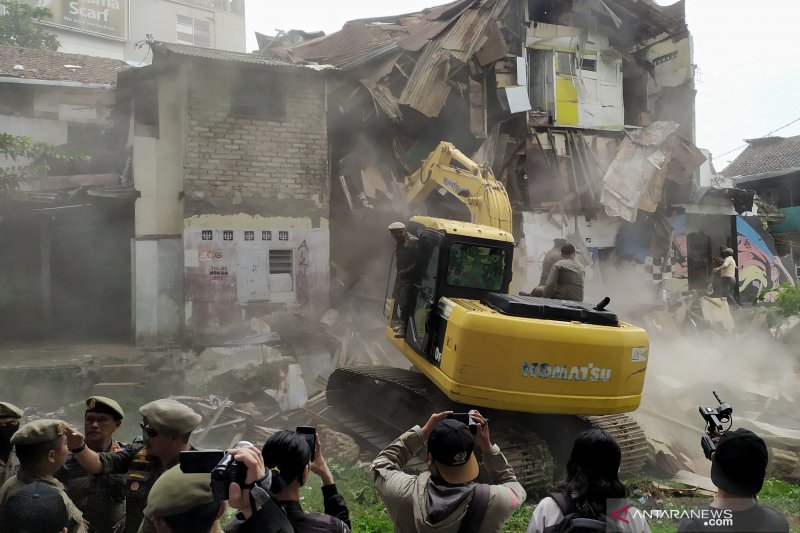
<point>573,522</point>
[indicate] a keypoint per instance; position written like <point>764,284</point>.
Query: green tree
<point>18,26</point>
<point>41,154</point>
<point>787,298</point>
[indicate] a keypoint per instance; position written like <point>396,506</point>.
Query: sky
<point>748,73</point>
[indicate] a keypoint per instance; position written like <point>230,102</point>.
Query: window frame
<point>283,296</point>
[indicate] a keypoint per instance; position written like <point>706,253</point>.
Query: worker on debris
<point>738,467</point>
<point>100,497</point>
<point>183,503</point>
<point>35,507</point>
<point>589,491</point>
<point>446,498</point>
<point>167,425</point>
<point>565,281</point>
<point>42,450</point>
<point>552,256</point>
<point>10,415</point>
<point>406,262</point>
<point>727,272</point>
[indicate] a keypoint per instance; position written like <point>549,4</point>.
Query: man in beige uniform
<point>440,499</point>
<point>167,425</point>
<point>10,416</point>
<point>42,450</point>
<point>565,281</point>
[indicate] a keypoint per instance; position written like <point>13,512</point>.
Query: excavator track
<point>400,399</point>
<point>629,436</point>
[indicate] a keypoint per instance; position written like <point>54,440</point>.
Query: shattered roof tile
<point>28,63</point>
<point>225,55</point>
<point>768,154</point>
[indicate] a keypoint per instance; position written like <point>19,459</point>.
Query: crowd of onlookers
<point>58,479</point>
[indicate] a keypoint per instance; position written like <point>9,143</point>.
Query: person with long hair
<point>592,479</point>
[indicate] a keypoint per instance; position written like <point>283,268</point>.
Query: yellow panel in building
<point>566,101</point>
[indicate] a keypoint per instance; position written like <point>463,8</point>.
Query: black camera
<point>714,417</point>
<point>223,467</point>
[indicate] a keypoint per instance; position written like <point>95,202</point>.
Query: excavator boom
<point>473,185</point>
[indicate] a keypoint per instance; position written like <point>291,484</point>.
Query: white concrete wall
<point>158,290</point>
<point>159,19</point>
<point>73,42</point>
<point>539,230</point>
<point>158,261</point>
<point>40,129</point>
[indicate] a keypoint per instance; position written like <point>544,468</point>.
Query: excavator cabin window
<point>476,267</point>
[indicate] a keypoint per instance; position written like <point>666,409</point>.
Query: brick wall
<point>258,159</point>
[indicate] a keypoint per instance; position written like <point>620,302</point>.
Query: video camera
<point>224,469</point>
<point>714,417</point>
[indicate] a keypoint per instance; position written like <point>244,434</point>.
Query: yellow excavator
<point>523,361</point>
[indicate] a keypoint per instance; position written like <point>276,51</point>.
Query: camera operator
<point>738,467</point>
<point>183,503</point>
<point>446,499</point>
<point>288,457</point>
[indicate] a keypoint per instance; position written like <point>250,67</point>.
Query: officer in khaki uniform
<point>10,416</point>
<point>101,497</point>
<point>184,501</point>
<point>166,426</point>
<point>42,450</point>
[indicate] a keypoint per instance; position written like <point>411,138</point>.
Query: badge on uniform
<point>135,486</point>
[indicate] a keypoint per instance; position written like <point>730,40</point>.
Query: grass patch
<point>368,514</point>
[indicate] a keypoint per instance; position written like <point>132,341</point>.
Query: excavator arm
<point>475,186</point>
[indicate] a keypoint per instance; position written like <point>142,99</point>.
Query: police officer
<point>166,426</point>
<point>42,450</point>
<point>10,416</point>
<point>182,503</point>
<point>101,497</point>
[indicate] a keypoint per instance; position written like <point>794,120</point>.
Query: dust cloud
<point>748,368</point>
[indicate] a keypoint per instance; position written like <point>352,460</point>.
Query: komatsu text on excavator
<point>523,359</point>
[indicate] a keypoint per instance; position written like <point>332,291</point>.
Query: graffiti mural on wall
<point>759,267</point>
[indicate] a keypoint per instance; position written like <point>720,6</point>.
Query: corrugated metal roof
<point>427,88</point>
<point>770,154</point>
<point>225,55</point>
<point>350,46</point>
<point>353,41</point>
<point>434,23</point>
<point>27,63</point>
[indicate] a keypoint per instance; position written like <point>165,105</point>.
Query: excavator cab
<point>456,266</point>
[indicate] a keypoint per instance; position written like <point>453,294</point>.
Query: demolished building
<point>584,110</point>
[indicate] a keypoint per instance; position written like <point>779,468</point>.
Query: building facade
<point>232,223</point>
<point>118,28</point>
<point>69,274</point>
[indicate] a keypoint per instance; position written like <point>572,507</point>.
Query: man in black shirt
<point>406,261</point>
<point>738,468</point>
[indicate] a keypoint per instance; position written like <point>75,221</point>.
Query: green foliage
<point>18,26</point>
<point>787,298</point>
<point>41,154</point>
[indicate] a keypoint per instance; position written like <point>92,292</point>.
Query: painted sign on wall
<point>759,267</point>
<point>104,17</point>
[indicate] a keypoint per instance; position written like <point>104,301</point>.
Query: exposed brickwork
<point>282,159</point>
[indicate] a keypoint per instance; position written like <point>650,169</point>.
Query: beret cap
<point>175,492</point>
<point>101,404</point>
<point>39,431</point>
<point>9,409</point>
<point>170,417</point>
